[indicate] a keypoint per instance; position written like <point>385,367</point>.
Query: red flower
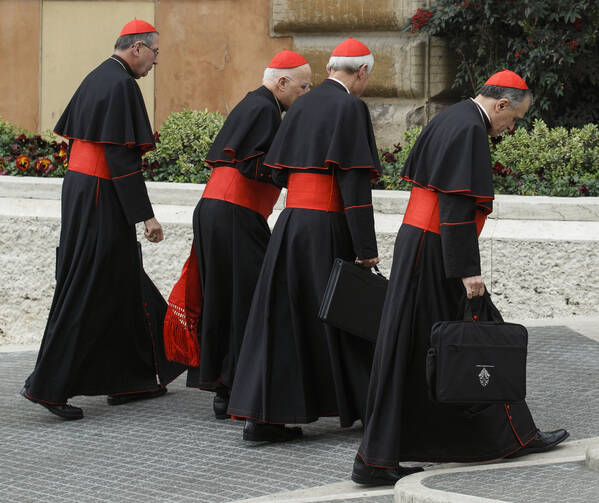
<point>578,24</point>
<point>23,162</point>
<point>389,157</point>
<point>42,165</point>
<point>22,138</point>
<point>517,55</point>
<point>572,44</point>
<point>420,19</point>
<point>584,190</point>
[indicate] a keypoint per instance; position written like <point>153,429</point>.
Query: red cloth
<point>137,26</point>
<point>423,212</point>
<point>506,78</point>
<point>351,48</point>
<point>89,158</point>
<point>287,59</point>
<point>181,342</point>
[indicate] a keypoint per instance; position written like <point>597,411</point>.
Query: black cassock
<point>293,368</point>
<point>450,162</point>
<point>231,233</point>
<point>104,330</point>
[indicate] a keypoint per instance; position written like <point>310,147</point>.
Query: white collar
<point>480,107</point>
<point>337,80</point>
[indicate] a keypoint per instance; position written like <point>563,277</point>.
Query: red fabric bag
<point>182,316</point>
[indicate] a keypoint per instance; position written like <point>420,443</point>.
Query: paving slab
<point>173,450</point>
<point>556,482</point>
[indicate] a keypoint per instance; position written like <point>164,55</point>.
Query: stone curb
<point>592,458</point>
<point>385,201</point>
<point>412,490</point>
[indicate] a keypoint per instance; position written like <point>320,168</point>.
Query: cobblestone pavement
<point>173,450</point>
<point>563,482</point>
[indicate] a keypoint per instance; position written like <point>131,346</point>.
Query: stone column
<point>409,71</point>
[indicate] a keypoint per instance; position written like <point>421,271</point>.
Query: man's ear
<point>502,104</point>
<point>282,83</point>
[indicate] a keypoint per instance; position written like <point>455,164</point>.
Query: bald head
<point>288,84</point>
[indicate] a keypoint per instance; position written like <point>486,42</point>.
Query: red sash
<point>228,184</point>
<point>89,158</point>
<point>182,315</point>
<point>423,211</point>
<point>314,191</point>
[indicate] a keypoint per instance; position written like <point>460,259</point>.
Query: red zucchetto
<point>506,78</point>
<point>287,59</point>
<point>136,27</point>
<point>351,48</point>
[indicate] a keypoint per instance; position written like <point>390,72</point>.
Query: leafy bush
<point>552,44</point>
<point>183,143</point>
<point>23,153</point>
<point>542,161</point>
<point>392,161</point>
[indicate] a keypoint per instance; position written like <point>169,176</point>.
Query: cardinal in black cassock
<point>104,330</point>
<point>231,231</point>
<point>436,265</point>
<point>292,368</point>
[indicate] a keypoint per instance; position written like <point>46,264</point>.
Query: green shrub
<point>392,161</point>
<point>23,153</point>
<point>183,143</point>
<point>548,161</point>
<point>542,161</point>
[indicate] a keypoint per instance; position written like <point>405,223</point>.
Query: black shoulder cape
<point>108,107</point>
<point>248,131</point>
<point>345,139</point>
<point>452,154</point>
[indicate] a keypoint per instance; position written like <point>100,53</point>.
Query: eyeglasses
<point>155,51</point>
<point>303,86</point>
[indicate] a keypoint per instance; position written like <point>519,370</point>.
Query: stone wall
<point>412,74</point>
<point>537,268</point>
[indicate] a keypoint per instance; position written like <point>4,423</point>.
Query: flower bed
<point>29,154</point>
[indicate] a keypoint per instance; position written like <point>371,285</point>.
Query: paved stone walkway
<point>173,450</point>
<point>563,482</point>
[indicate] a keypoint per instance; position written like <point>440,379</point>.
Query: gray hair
<point>350,64</point>
<point>127,41</point>
<point>514,96</point>
<point>272,75</point>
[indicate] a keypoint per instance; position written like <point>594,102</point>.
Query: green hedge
<point>542,161</point>
<point>183,143</point>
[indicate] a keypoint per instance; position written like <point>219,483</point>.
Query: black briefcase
<point>353,299</point>
<point>478,360</point>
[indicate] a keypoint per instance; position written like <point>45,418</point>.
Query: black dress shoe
<point>131,397</point>
<point>64,410</point>
<point>542,442</point>
<point>264,432</point>
<point>220,404</point>
<point>372,476</point>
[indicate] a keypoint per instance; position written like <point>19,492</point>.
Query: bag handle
<point>476,305</point>
<point>375,267</point>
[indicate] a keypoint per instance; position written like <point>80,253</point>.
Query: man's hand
<point>153,232</point>
<point>474,285</point>
<point>367,262</point>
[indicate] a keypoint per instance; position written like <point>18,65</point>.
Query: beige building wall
<point>76,37</point>
<point>212,52</point>
<point>19,62</point>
